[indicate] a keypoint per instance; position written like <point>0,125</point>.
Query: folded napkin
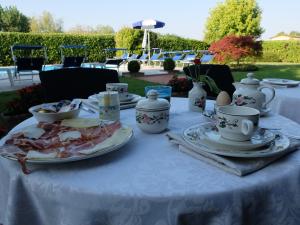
<point>237,166</point>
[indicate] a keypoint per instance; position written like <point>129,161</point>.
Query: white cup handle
<point>272,95</point>
<point>247,127</point>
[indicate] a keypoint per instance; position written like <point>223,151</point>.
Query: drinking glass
<point>163,91</point>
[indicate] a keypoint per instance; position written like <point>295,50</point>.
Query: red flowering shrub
<point>234,48</point>
<point>197,61</point>
<point>180,84</point>
<point>27,97</point>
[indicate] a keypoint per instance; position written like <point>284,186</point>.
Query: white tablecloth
<point>150,182</point>
<point>287,103</point>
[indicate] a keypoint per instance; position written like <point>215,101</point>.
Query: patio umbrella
<point>147,25</point>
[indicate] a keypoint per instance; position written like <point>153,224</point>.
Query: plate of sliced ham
<point>65,141</point>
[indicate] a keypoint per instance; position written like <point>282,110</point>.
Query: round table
<point>287,102</point>
<point>149,181</point>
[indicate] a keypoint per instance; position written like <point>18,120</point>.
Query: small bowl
<point>52,117</point>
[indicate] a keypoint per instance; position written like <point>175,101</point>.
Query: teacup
<point>237,123</point>
<point>121,88</point>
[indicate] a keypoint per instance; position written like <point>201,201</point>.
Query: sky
<point>183,18</point>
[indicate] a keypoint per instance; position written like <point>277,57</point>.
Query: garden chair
<point>188,59</point>
<point>221,74</point>
<point>144,58</point>
<point>206,58</point>
<point>132,57</point>
<point>29,60</point>
<point>77,54</point>
<point>70,83</point>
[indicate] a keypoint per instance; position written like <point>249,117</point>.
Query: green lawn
<point>136,86</point>
<point>274,70</point>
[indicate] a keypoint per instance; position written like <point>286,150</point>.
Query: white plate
<point>208,134</point>
<point>116,145</point>
<point>279,145</point>
<point>94,105</point>
<point>128,99</point>
<point>285,82</point>
<point>134,99</point>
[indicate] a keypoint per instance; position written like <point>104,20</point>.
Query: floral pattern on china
<point>200,102</point>
<point>223,122</point>
<point>241,100</point>
<point>144,118</point>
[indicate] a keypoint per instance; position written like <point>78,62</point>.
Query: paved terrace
<point>151,73</point>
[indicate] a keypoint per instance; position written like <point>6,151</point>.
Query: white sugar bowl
<point>152,114</point>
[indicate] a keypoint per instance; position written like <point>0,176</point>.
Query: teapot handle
<point>272,95</point>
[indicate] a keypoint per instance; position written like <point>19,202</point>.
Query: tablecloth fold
<point>237,166</point>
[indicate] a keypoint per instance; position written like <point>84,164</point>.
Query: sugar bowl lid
<point>153,102</point>
<point>250,79</point>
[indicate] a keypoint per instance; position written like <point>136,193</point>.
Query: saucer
<point>208,134</point>
<point>128,98</point>
<point>285,82</point>
<point>278,146</point>
<point>132,99</point>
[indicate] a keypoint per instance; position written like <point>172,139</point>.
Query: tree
<point>12,20</point>
<point>46,24</point>
<point>295,34</point>
<point>234,48</point>
<point>102,29</point>
<point>129,38</point>
<point>239,17</point>
<point>81,29</point>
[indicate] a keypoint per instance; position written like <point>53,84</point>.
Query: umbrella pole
<point>149,54</point>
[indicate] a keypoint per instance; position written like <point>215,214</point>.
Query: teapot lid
<point>153,102</point>
<point>250,79</point>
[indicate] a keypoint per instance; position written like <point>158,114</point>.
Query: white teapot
<point>249,93</point>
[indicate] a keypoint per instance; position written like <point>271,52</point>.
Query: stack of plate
<point>263,143</point>
<point>130,102</point>
<point>281,82</point>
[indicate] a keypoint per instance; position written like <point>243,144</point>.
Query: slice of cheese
<point>38,155</point>
<point>69,135</point>
<point>33,132</point>
<point>81,122</point>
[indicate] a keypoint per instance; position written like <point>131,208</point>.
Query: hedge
<point>95,43</point>
<point>281,51</point>
<point>172,42</point>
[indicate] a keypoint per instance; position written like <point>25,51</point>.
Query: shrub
<point>27,97</point>
<point>134,66</point>
<point>181,84</point>
<point>281,51</point>
<point>169,64</point>
<point>243,67</point>
<point>234,48</point>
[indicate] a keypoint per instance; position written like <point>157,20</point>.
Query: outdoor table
<point>287,102</point>
<point>8,70</point>
<point>150,182</point>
